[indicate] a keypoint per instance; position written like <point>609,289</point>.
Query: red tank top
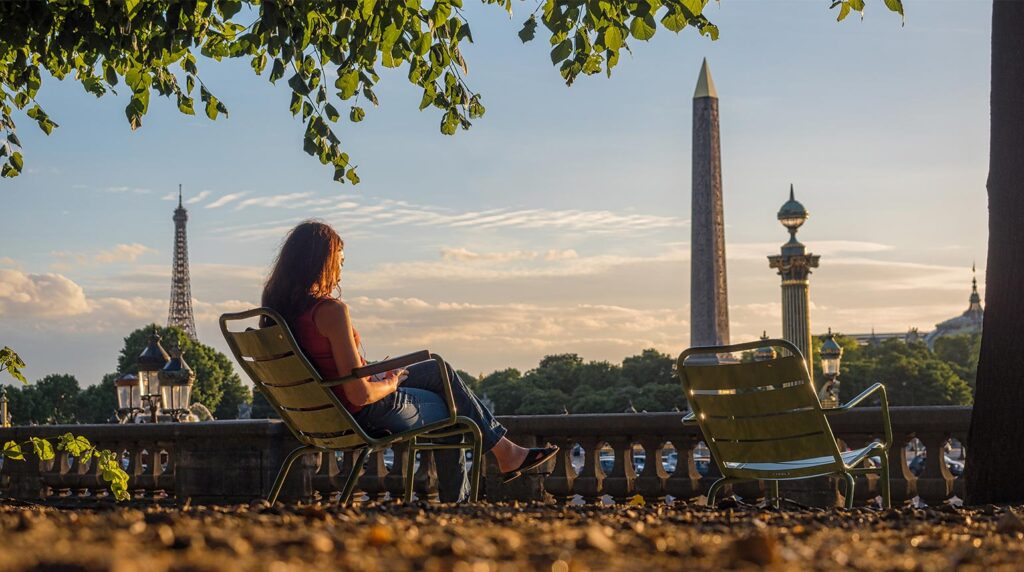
<point>317,348</point>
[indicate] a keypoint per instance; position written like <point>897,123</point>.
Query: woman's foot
<point>534,458</point>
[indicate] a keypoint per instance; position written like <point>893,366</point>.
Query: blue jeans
<point>420,401</point>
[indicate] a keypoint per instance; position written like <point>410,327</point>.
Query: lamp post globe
<point>792,215</point>
<point>129,396</point>
<point>176,379</point>
<point>831,355</point>
<point>149,363</point>
<point>765,352</point>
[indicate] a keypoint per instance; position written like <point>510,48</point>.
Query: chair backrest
<point>757,412</point>
<point>276,365</point>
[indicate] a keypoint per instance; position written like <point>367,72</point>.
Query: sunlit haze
<point>558,223</point>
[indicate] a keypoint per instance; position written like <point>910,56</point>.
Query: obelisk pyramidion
<point>709,304</point>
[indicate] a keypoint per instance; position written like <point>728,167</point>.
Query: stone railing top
<point>916,419</point>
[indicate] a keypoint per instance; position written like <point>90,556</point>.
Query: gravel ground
<point>498,537</point>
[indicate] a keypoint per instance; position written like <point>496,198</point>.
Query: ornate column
<point>794,266</point>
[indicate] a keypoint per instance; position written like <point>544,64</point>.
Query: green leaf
<point>331,112</point>
<point>277,72</point>
<point>421,45</point>
<point>613,38</point>
<point>352,176</point>
<point>13,451</point>
<point>43,448</point>
<point>186,105</point>
<point>17,162</point>
<point>77,446</point>
<point>694,7</point>
<point>674,21</point>
<point>298,85</point>
<point>13,139</point>
<point>643,27</point>
<point>561,51</point>
<point>356,114</point>
<point>348,83</point>
<point>529,30</point>
<point>211,107</point>
<point>228,8</point>
<point>844,11</point>
<point>895,6</point>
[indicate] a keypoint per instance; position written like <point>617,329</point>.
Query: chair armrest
<point>689,419</point>
<point>380,367</point>
<point>886,422</point>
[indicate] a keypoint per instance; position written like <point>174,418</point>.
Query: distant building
<point>967,323</point>
<point>909,336</point>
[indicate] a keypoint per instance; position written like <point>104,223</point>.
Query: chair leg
<point>409,471</point>
<point>282,473</point>
<point>478,462</point>
<point>715,487</point>
<point>886,492</point>
<point>850,483</point>
<point>353,476</point>
<point>776,499</point>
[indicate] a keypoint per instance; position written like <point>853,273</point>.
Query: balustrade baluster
<point>394,481</point>
<point>620,483</point>
<point>372,480</point>
<point>425,479</point>
<point>936,483</point>
<point>685,481</point>
<point>589,484</point>
<point>650,483</point>
<point>560,482</point>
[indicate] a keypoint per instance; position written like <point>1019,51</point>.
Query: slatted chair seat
<point>762,420</point>
<point>272,359</point>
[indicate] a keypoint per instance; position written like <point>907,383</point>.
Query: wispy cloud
<point>127,189</point>
<point>169,197</point>
<point>466,255</point>
<point>202,195</point>
<point>226,199</point>
<point>378,216</point>
<point>274,201</point>
<point>65,260</point>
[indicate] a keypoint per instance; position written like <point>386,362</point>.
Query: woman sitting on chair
<point>301,288</point>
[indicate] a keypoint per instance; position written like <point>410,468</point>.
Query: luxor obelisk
<point>709,303</point>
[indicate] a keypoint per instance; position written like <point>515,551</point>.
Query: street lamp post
<point>831,355</point>
<point>4,418</point>
<point>176,380</point>
<point>129,397</point>
<point>150,362</point>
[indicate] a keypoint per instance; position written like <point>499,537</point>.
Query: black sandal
<point>535,457</point>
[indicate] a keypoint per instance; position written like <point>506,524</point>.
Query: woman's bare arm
<point>332,321</point>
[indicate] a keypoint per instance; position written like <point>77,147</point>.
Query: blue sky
<point>559,222</point>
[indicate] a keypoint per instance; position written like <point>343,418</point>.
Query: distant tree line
<point>913,375</point>
<point>60,398</point>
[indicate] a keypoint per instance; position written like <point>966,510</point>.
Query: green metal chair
<point>762,420</point>
<point>272,359</point>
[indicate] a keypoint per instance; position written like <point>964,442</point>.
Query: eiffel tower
<point>180,312</point>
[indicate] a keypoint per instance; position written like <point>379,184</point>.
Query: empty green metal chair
<point>272,359</point>
<point>762,420</point>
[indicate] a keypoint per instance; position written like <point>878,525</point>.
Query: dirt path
<point>491,537</point>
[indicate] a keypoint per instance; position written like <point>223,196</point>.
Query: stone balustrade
<point>236,461</point>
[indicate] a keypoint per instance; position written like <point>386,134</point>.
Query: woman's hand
<point>394,376</point>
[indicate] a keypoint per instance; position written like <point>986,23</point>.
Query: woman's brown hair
<point>306,270</point>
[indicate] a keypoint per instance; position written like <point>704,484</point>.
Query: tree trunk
<point>995,463</point>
